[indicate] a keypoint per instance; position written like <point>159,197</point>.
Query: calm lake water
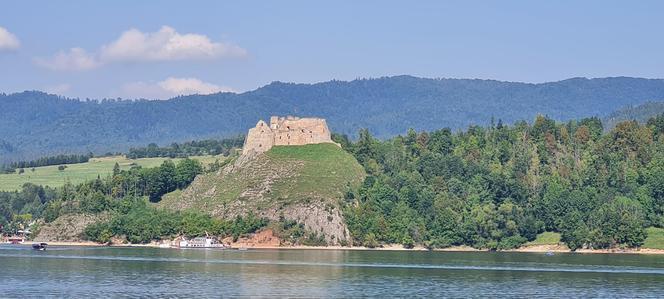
<point>152,272</point>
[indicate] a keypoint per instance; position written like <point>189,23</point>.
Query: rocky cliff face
<point>300,183</point>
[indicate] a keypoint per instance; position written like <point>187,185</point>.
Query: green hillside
<point>78,173</point>
<point>655,239</point>
<point>545,238</point>
<point>301,183</point>
<point>386,106</point>
<point>641,113</point>
<point>325,171</point>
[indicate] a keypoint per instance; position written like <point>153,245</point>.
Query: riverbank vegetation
<point>655,238</point>
<point>545,238</point>
<point>495,187</point>
<point>109,193</point>
<point>498,187</point>
<point>135,222</point>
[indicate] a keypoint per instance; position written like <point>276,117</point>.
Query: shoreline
<point>524,249</point>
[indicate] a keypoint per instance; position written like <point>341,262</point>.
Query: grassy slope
<point>655,238</point>
<point>77,173</point>
<point>326,171</point>
<point>545,238</point>
<point>320,170</point>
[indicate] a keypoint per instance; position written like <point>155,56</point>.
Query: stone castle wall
<point>286,131</point>
<point>259,139</point>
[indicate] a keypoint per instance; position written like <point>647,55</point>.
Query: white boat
<point>201,242</point>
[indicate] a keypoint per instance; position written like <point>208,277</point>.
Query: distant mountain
<point>5,147</point>
<point>640,113</point>
<point>35,123</point>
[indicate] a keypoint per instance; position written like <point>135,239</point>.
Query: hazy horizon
<point>142,50</point>
<point>320,82</point>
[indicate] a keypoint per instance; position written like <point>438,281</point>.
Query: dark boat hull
<point>39,246</point>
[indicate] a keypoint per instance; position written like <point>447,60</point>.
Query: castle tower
<point>259,139</point>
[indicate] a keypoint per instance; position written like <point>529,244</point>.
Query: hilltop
<point>298,183</point>
<point>33,123</point>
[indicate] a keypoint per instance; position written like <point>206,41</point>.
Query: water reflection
<point>78,272</point>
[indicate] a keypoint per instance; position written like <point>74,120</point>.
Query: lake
<point>154,272</point>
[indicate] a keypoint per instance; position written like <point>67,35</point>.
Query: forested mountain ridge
<point>34,124</point>
<point>641,113</point>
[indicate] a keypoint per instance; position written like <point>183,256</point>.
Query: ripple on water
<point>164,273</point>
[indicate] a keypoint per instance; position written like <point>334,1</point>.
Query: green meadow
<point>77,173</point>
<point>545,238</point>
<point>655,239</point>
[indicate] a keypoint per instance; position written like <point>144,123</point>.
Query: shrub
<point>408,242</point>
<point>440,242</point>
<point>314,239</point>
<point>52,211</point>
<point>98,232</point>
<point>511,242</point>
<point>370,241</point>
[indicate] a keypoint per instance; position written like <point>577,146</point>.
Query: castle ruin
<point>288,130</point>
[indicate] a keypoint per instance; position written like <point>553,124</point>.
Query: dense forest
<point>497,187</point>
<point>187,149</point>
<point>34,124</point>
<point>492,187</point>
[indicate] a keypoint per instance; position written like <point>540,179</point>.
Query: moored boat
<point>14,240</point>
<point>201,242</point>
<point>39,246</point>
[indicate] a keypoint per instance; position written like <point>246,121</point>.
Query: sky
<point>159,49</point>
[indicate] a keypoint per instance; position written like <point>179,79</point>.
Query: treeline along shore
<point>497,187</point>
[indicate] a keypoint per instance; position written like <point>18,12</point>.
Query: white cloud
<point>76,59</point>
<point>8,41</point>
<point>136,46</point>
<point>171,87</point>
<point>166,45</point>
<point>182,86</point>
<point>58,89</point>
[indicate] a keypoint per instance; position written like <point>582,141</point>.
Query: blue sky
<point>157,49</point>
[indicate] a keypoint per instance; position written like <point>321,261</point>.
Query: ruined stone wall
<point>301,131</point>
<point>259,139</point>
<point>286,131</point>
